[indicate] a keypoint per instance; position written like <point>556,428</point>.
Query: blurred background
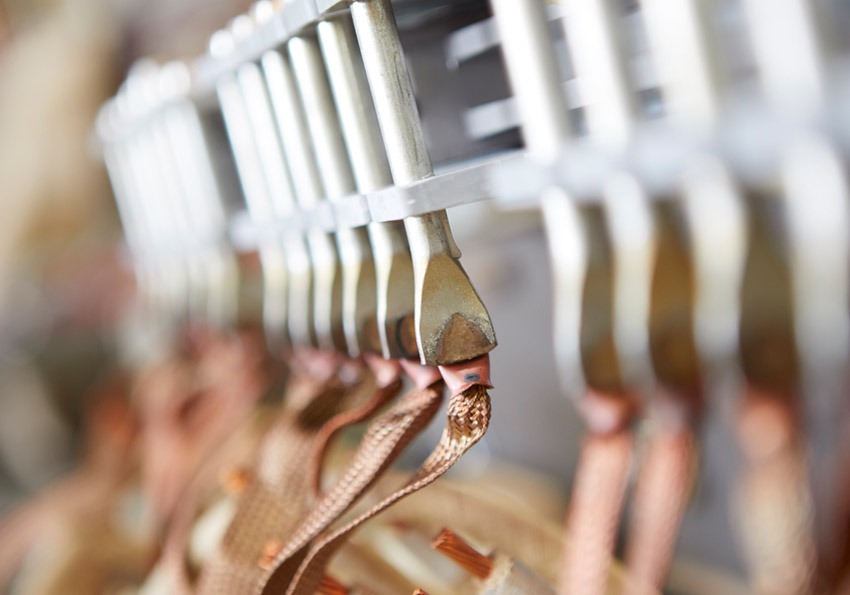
<point>66,290</point>
<point>64,284</point>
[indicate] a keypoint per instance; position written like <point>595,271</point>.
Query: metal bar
<point>602,72</point>
<point>197,216</point>
<point>153,191</point>
<point>788,53</point>
<point>533,73</point>
<point>218,257</point>
<point>530,61</point>
<point>685,53</point>
<point>598,58</point>
<point>163,156</point>
<point>282,276</point>
<point>358,269</point>
<point>126,199</point>
<point>452,324</point>
<point>393,268</point>
<point>682,46</point>
<point>291,122</point>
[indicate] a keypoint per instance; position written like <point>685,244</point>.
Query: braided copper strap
<point>301,564</point>
<point>188,408</point>
<point>109,461</point>
<point>661,494</point>
<point>663,487</point>
<point>178,537</point>
<point>236,452</point>
<point>385,439</point>
<point>21,528</point>
<point>774,504</point>
<point>279,495</point>
<point>599,488</point>
<point>468,420</point>
<point>388,376</point>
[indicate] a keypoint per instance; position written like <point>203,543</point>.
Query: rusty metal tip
<point>463,339</point>
<point>452,323</point>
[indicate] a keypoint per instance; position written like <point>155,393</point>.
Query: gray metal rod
<point>358,269</point>
<point>788,52</point>
<point>597,49</point>
<point>595,40</point>
<point>452,324</point>
<point>685,54</point>
<point>359,124</point>
<point>207,208</point>
<point>683,51</point>
<point>322,123</point>
<point>288,302</point>
<point>283,275</point>
<point>126,200</point>
<point>532,70</point>
<point>535,81</point>
<point>163,156</point>
<point>154,192</point>
<point>298,151</point>
<point>137,203</point>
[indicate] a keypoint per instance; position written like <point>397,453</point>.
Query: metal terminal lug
<point>394,332</point>
<point>298,151</point>
<point>280,276</point>
<point>452,323</point>
<point>358,269</point>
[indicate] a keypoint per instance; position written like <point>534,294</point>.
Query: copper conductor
<point>461,553</point>
<point>271,549</point>
<point>235,481</point>
<point>330,586</point>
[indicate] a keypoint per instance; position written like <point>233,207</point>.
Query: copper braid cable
<point>383,442</point>
<point>22,526</point>
<point>773,500</point>
<point>278,496</point>
<point>664,484</point>
<point>468,419</point>
<point>388,388</point>
<point>108,463</point>
<point>19,529</point>
<point>177,541</point>
<point>240,448</point>
<point>459,551</point>
<point>301,565</point>
<point>599,489</point>
<point>493,573</point>
<point>189,408</point>
<point>594,512</point>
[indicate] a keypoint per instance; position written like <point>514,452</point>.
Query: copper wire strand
<point>661,495</point>
<point>594,514</point>
<point>774,502</point>
<point>330,586</point>
<point>450,544</point>
<point>467,420</point>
